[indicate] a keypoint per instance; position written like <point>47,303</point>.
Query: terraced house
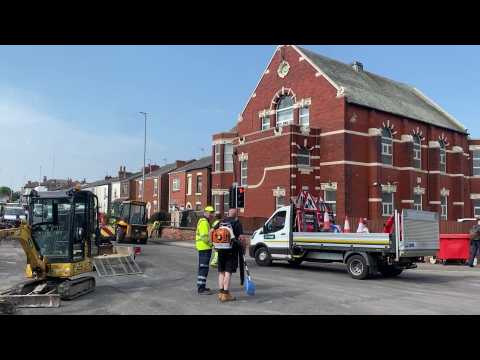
<point>365,143</point>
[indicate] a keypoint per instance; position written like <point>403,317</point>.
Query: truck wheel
<point>389,271</point>
<point>357,267</point>
<point>262,257</point>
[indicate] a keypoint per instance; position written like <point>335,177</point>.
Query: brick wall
<point>348,159</point>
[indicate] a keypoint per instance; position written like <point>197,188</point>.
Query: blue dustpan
<point>249,287</point>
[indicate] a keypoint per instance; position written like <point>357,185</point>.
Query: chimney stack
<point>357,66</point>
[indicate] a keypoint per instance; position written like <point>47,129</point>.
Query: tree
<point>5,191</point>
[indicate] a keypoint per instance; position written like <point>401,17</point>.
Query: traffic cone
<point>326,221</point>
<point>346,227</point>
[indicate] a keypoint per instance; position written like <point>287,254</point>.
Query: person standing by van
<point>229,259</point>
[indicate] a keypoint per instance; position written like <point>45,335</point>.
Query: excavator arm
<point>23,234</point>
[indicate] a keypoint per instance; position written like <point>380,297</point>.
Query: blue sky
<point>81,103</point>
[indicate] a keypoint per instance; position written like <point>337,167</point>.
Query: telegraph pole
<point>144,154</point>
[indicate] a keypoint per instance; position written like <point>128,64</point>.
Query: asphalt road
<point>168,287</point>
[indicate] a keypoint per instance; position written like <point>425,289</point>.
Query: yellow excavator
<point>58,242</point>
<point>128,223</point>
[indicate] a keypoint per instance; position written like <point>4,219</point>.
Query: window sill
<point>198,193</point>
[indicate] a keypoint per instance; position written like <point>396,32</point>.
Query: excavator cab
<point>64,227</point>
<point>131,224</point>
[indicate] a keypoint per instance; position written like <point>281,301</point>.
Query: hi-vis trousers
<point>203,266</point>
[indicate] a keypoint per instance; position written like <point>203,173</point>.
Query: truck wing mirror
<point>265,231</point>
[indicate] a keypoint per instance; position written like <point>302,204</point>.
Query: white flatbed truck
<point>416,235</point>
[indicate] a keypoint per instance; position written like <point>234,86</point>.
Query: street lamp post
<point>144,154</point>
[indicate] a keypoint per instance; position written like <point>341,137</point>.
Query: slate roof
<point>163,170</point>
<point>198,164</point>
<point>377,92</point>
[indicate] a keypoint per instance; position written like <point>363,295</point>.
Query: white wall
<point>102,194</point>
<point>115,190</point>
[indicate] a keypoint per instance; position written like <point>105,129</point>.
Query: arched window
<point>387,146</point>
<point>443,156</point>
<point>417,152</point>
<point>285,111</point>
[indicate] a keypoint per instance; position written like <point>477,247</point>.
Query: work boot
<point>227,297</point>
<point>205,291</point>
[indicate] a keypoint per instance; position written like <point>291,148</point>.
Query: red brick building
<point>190,185</point>
<point>156,187</point>
<point>366,144</point>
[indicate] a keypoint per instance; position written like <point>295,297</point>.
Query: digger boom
<point>23,234</point>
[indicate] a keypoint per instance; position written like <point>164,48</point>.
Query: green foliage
<point>5,190</point>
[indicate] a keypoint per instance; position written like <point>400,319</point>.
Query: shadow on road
<point>408,276</point>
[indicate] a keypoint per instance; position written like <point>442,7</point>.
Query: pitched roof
<point>377,92</point>
<point>198,164</point>
<point>163,170</point>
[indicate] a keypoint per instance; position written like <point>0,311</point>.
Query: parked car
<point>13,215</point>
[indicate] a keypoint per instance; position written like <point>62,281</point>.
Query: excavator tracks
<point>72,289</point>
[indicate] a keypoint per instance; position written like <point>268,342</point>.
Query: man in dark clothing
<point>474,243</point>
<point>229,259</point>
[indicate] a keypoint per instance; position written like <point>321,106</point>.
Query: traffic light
<point>232,197</point>
<point>240,197</point>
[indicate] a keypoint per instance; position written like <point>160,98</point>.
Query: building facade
<point>365,144</point>
<point>156,187</point>
<point>190,185</point>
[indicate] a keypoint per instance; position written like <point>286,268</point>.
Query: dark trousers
<point>474,247</point>
<point>203,266</point>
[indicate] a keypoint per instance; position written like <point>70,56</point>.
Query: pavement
<point>167,286</point>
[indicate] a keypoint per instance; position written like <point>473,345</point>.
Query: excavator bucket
<point>30,294</point>
<point>30,301</point>
<point>116,265</point>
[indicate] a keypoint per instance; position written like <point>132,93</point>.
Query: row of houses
<point>183,184</point>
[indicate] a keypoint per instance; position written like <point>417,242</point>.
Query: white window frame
<point>216,202</point>
<point>416,205</point>
<point>265,123</point>
<point>155,187</point>
<point>303,156</point>
<point>303,116</point>
<point>279,204</point>
<point>387,207</point>
<point>226,203</point>
<point>476,157</point>
<point>243,172</point>
<point>140,188</point>
<point>217,158</point>
<point>417,152</point>
<point>189,185</point>
<point>285,110</point>
<point>476,207</point>
<point>175,184</point>
<point>387,146</point>
<point>228,158</point>
<point>196,185</point>
<point>443,208</point>
<point>443,157</point>
<point>333,204</point>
